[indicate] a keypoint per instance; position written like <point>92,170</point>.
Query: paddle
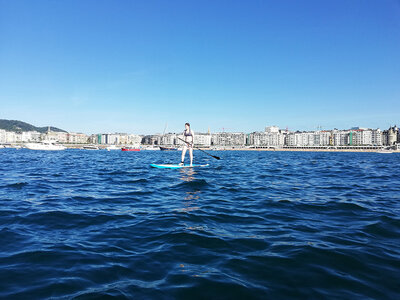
<point>216,157</point>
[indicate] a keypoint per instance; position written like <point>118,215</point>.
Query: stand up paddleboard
<point>176,166</point>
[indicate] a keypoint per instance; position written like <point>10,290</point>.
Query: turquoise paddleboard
<point>175,166</point>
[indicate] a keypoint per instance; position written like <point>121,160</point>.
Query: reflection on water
<point>191,196</point>
<point>188,175</point>
<point>190,201</point>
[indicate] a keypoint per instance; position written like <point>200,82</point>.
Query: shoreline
<point>313,150</point>
<point>146,148</point>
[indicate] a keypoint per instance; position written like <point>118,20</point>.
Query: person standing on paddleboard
<point>188,137</point>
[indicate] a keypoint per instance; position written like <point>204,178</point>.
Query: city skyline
<point>272,136</point>
<point>265,128</point>
<point>130,66</point>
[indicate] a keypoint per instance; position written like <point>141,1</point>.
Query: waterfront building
<point>112,138</point>
<point>268,138</point>
<point>94,139</point>
<point>131,139</point>
<point>376,137</point>
<point>61,137</point>
<point>322,138</point>
<point>202,139</point>
<point>77,138</point>
<point>115,139</point>
<point>363,137</point>
<point>11,137</point>
<point>340,137</point>
<point>398,137</point>
<point>154,139</point>
<point>19,137</point>
<point>325,138</point>
<point>3,136</point>
<point>291,139</point>
<point>230,139</point>
<point>30,136</point>
<point>104,139</point>
<point>305,139</point>
<point>169,139</point>
<point>390,136</point>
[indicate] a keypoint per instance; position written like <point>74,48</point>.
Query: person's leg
<point>183,154</point>
<point>191,155</point>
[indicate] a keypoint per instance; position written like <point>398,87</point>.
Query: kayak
<point>176,166</point>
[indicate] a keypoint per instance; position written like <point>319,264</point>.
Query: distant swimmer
<point>188,136</point>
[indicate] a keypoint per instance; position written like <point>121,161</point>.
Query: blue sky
<point>133,66</point>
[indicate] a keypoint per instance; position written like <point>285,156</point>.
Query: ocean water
<point>79,224</point>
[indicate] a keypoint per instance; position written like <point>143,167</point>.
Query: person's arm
<point>192,138</point>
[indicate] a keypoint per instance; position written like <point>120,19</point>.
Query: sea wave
<point>254,225</point>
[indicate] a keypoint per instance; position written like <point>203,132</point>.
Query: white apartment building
<point>325,138</point>
<point>61,137</point>
<point>115,139</point>
<point>340,138</point>
<point>377,137</point>
<point>130,139</point>
<point>365,137</point>
<point>267,139</point>
<point>202,139</point>
<point>20,137</point>
<point>3,136</point>
<point>169,139</point>
<point>30,136</point>
<point>77,138</point>
<point>300,139</point>
<point>228,139</point>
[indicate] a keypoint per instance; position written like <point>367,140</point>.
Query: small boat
<point>151,148</point>
<point>130,149</point>
<point>90,147</point>
<point>385,151</point>
<point>168,148</point>
<point>45,145</point>
<point>112,147</point>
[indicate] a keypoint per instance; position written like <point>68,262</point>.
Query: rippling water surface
<point>254,225</point>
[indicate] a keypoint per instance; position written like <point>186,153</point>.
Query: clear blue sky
<point>133,66</point>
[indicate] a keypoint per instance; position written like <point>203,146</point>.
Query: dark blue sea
<point>79,224</point>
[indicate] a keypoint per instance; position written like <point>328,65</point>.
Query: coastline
<point>146,148</point>
<point>313,150</point>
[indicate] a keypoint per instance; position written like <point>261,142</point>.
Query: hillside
<point>19,126</point>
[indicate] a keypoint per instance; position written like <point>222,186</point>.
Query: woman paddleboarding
<point>188,138</point>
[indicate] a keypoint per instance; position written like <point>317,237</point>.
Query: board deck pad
<point>175,166</point>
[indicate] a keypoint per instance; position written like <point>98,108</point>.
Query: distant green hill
<point>19,126</point>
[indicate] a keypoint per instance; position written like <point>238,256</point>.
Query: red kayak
<point>130,149</point>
